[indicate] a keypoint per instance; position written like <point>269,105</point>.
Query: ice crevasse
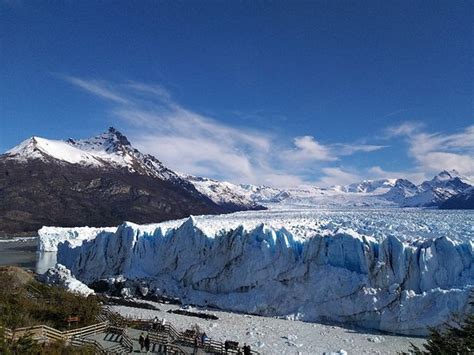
<point>337,276</point>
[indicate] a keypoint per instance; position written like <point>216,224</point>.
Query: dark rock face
<point>463,201</point>
<point>37,193</point>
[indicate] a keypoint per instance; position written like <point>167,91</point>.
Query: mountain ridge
<point>98,181</point>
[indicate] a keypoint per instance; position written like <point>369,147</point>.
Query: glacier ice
<point>61,276</point>
<point>320,271</point>
<point>50,237</point>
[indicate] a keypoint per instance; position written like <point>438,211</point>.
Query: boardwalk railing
<point>98,349</point>
<point>43,333</point>
<point>168,334</point>
<point>165,334</point>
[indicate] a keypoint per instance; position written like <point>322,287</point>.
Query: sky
<point>262,92</point>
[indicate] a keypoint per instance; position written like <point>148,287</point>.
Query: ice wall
<point>339,276</point>
<point>50,237</point>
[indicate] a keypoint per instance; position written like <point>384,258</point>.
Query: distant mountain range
<point>104,180</point>
<point>448,189</point>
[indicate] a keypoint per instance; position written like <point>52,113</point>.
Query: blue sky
<point>280,93</point>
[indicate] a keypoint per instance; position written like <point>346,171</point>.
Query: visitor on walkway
<point>147,343</point>
<point>141,341</point>
<point>155,324</point>
<point>203,338</point>
<point>196,343</point>
<point>246,349</point>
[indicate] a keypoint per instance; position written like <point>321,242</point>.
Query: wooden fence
<point>168,334</point>
<point>43,333</point>
<point>115,323</point>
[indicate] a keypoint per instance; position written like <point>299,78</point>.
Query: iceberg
<point>333,275</point>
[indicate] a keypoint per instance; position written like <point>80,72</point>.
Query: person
<point>247,350</point>
<point>195,344</point>
<point>141,341</point>
<point>147,343</point>
<point>155,323</point>
<point>203,338</point>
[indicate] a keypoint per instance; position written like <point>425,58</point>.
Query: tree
<point>455,339</point>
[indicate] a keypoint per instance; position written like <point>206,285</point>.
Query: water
<point>22,252</point>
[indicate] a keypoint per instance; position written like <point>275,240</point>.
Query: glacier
<point>50,237</point>
<point>335,268</point>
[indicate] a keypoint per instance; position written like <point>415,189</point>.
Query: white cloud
<point>405,128</point>
<point>200,145</point>
<point>349,149</point>
<point>434,152</point>
<point>338,176</point>
<point>98,88</point>
<point>376,172</point>
<point>308,149</point>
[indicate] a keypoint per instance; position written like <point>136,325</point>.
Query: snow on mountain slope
<point>307,195</point>
<point>40,148</point>
<point>112,150</point>
<point>442,187</point>
<point>367,193</point>
<point>334,267</point>
<point>264,194</point>
<point>221,192</point>
<point>401,190</point>
<point>374,186</point>
<point>108,150</point>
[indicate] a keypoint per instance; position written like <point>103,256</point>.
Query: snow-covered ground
<point>393,270</point>
<point>280,336</point>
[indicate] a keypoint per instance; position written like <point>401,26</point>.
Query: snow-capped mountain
<point>371,186</point>
<point>368,193</point>
<point>401,191</point>
<point>265,194</point>
<point>222,192</point>
<point>108,150</point>
<point>437,190</point>
<point>99,181</point>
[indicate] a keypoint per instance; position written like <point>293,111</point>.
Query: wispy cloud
<point>349,149</point>
<point>98,88</point>
<point>436,151</point>
<point>197,144</point>
<point>307,148</point>
<point>338,176</point>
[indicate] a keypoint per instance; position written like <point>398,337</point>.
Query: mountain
<point>401,191</point>
<point>264,194</point>
<point>97,182</point>
<point>462,201</point>
<point>437,190</point>
<point>368,186</point>
<point>223,193</point>
<point>367,193</point>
